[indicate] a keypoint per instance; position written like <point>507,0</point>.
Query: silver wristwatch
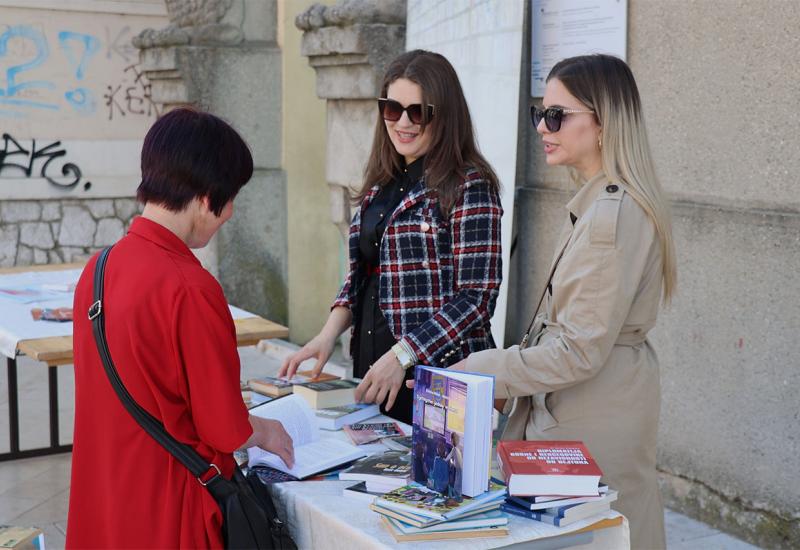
<point>403,357</point>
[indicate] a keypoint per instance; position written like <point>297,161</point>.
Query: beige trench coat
<point>591,374</point>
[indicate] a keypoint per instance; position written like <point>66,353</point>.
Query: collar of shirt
<point>413,172</point>
<point>160,235</point>
<point>588,192</point>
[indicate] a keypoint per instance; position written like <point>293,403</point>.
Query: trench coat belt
<point>541,414</point>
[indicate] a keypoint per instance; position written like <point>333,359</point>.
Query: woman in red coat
<point>173,342</point>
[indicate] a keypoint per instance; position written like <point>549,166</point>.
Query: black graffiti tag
<point>27,159</point>
<point>136,99</point>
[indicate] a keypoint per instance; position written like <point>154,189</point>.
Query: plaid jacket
<point>439,276</point>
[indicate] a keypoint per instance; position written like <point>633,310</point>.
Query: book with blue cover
<point>452,431</point>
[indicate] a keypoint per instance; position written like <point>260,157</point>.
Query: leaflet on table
<point>312,453</point>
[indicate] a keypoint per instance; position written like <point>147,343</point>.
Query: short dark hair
<point>190,154</point>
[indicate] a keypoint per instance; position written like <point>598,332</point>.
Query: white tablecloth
<point>16,322</point>
<point>319,516</point>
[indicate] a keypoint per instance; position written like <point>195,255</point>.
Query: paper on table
<point>16,322</point>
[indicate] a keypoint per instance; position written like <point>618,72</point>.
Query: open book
<point>312,453</point>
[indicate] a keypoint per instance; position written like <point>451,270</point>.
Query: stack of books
<point>382,473</point>
<point>273,386</point>
<point>423,514</point>
<point>556,482</point>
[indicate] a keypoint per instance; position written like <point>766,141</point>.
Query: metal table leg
<point>13,417</point>
<point>53,389</point>
<point>13,405</point>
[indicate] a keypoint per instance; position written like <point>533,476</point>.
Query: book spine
<point>517,511</point>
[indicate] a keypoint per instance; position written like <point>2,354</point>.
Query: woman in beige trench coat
<point>586,370</point>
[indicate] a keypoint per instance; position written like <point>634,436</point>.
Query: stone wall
<point>47,232</point>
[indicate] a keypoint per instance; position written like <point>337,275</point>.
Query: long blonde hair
<point>606,85</point>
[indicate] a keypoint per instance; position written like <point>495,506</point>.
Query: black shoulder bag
<point>250,519</point>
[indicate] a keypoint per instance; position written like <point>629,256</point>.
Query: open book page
<point>312,454</point>
<point>293,412</point>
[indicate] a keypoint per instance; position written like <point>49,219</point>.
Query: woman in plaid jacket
<point>425,261</point>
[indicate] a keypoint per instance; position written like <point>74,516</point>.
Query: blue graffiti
<point>13,86</point>
<point>91,45</point>
<point>82,100</point>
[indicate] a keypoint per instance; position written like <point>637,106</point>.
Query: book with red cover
<point>548,468</point>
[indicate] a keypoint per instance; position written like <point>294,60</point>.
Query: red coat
<point>173,342</point>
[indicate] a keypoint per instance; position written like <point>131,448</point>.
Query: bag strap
<point>182,452</point>
<point>525,338</point>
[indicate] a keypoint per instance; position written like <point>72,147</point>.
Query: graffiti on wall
<point>26,88</point>
<point>37,161</point>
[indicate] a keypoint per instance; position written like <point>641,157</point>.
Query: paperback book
<point>417,500</point>
<point>312,453</point>
<point>402,443</point>
<point>336,418</point>
<point>275,387</point>
<point>369,432</point>
<point>360,492</point>
<point>451,534</point>
<point>333,393</point>
<point>544,502</point>
<point>452,431</point>
<point>548,468</point>
<point>388,470</point>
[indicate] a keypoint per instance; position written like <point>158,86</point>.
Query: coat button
<point>425,226</point>
<point>612,188</point>
<point>426,264</point>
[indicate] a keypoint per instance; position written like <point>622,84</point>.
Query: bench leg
<point>13,405</point>
<point>53,389</point>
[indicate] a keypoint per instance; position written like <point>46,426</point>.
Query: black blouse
<point>372,333</point>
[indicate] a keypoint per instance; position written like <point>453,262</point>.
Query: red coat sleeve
<point>205,341</point>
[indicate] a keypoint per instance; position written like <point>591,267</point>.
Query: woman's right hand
<point>271,436</point>
<point>321,347</point>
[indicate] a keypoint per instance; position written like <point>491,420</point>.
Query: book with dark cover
<point>367,432</point>
<point>544,502</point>
<point>334,393</point>
<point>277,387</point>
<point>389,468</point>
<point>403,443</point>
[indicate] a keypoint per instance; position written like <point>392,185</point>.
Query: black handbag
<point>250,519</point>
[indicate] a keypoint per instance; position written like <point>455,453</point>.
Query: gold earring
<point>600,142</point>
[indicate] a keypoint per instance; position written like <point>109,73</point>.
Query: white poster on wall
<point>482,39</point>
<point>566,28</point>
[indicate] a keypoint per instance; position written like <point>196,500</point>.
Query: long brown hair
<point>452,148</point>
<point>606,85</point>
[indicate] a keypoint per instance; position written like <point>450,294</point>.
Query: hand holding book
<point>271,436</point>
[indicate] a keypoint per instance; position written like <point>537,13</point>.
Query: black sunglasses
<point>391,110</point>
<point>552,116</point>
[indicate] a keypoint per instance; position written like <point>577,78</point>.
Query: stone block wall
<point>53,231</point>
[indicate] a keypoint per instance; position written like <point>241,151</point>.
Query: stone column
<point>349,45</point>
<point>222,56</point>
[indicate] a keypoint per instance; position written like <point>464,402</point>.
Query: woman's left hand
<point>383,380</point>
<point>461,365</point>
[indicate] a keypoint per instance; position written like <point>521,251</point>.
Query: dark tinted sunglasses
<point>552,116</point>
<point>391,110</point>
